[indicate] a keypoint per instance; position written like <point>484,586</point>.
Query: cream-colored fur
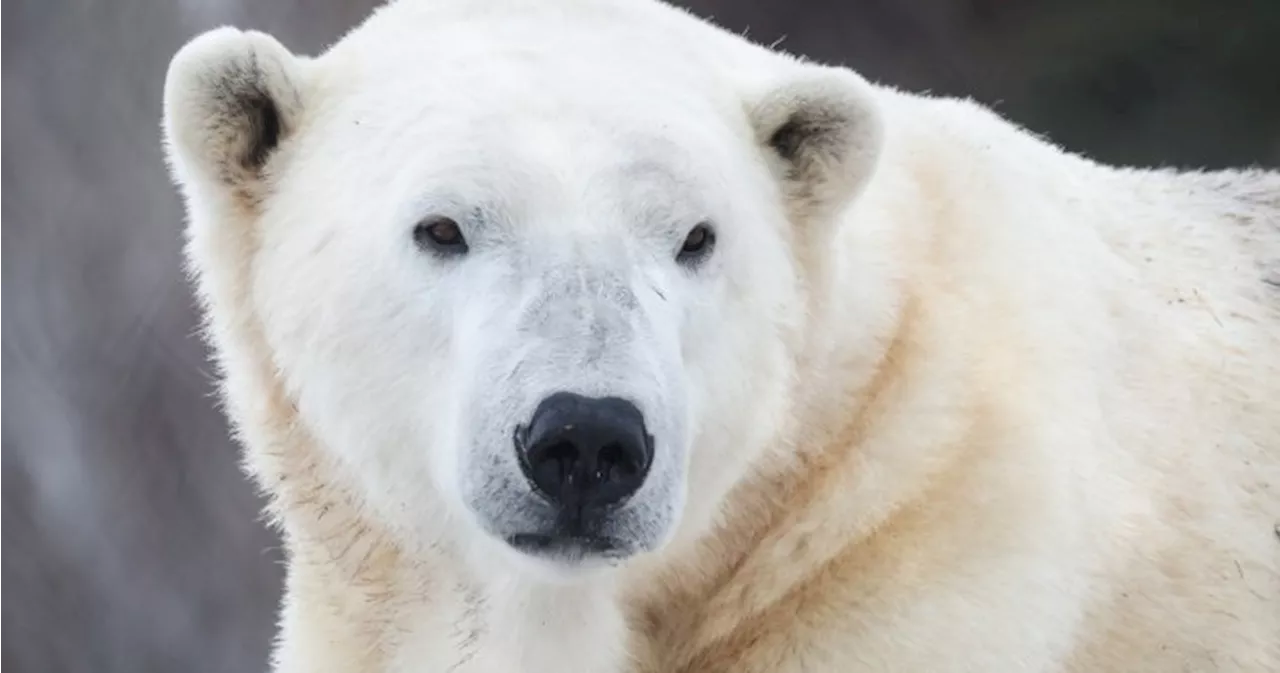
<point>1025,415</point>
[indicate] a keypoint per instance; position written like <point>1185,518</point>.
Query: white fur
<point>943,398</point>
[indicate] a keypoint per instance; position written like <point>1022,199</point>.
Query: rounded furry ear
<point>823,131</point>
<point>230,98</point>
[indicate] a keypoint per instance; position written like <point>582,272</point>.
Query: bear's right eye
<point>440,235</point>
<point>697,245</point>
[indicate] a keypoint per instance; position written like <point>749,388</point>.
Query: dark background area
<point>131,542</point>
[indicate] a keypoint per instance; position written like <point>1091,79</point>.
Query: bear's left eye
<point>697,245</point>
<point>440,235</point>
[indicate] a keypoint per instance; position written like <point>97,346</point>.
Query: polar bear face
<point>526,301</point>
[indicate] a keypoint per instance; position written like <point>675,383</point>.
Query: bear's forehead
<point>497,137</point>
<point>491,105</point>
<point>492,88</point>
<point>509,141</point>
<point>527,99</point>
<point>509,165</point>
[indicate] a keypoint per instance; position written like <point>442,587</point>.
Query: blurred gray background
<point>131,542</point>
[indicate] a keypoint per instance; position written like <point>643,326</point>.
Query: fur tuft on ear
<point>823,131</point>
<point>230,98</point>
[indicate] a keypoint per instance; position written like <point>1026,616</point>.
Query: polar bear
<point>582,335</point>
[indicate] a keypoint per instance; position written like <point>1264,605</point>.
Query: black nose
<point>584,452</point>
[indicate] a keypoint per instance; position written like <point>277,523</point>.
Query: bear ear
<point>230,98</point>
<point>822,129</point>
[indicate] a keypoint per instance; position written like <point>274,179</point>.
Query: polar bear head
<point>534,276</point>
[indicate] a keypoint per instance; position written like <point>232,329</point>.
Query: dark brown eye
<point>697,245</point>
<point>440,235</point>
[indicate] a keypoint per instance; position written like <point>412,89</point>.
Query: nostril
<point>616,463</point>
<point>552,465</point>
